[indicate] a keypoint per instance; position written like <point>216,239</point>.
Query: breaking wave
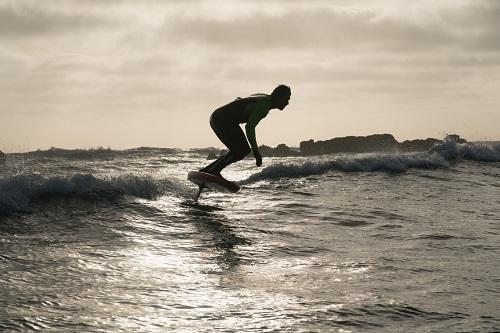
<point>439,156</point>
<point>17,193</point>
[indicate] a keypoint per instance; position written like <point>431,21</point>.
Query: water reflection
<point>210,220</point>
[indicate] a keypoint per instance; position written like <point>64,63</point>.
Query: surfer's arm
<point>255,118</point>
<point>250,129</point>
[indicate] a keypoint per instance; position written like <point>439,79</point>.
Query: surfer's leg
<point>231,135</point>
<point>219,127</point>
<point>216,167</point>
<point>211,165</point>
<point>237,151</point>
<point>223,161</point>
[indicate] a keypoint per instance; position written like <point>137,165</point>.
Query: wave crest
<point>18,192</point>
<point>438,156</point>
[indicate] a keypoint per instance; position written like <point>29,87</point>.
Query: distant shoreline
<point>352,144</point>
<point>348,144</point>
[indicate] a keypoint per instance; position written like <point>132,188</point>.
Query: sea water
<point>111,241</point>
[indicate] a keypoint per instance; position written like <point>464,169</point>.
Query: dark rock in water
<point>265,151</point>
<point>418,145</point>
<point>350,144</point>
<point>456,138</point>
<point>281,150</point>
<point>210,152</point>
<point>2,157</point>
<point>211,156</point>
<point>423,145</point>
<point>214,153</point>
<point>370,143</point>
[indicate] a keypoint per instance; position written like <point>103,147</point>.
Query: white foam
<point>439,156</point>
<point>18,192</point>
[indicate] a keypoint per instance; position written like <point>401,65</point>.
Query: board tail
<point>212,182</point>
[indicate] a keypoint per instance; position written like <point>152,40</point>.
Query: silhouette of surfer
<point>226,120</point>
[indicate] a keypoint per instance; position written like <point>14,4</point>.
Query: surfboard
<point>214,183</point>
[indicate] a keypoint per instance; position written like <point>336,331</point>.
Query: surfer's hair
<point>281,90</point>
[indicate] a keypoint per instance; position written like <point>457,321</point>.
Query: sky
<point>126,73</point>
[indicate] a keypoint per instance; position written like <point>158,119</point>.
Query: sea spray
<point>440,156</point>
<point>387,163</point>
<point>18,192</point>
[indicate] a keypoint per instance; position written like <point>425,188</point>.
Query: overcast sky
<point>126,73</point>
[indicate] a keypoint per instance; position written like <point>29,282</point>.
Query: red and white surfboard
<point>212,182</point>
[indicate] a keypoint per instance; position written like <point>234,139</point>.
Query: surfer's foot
<point>216,174</point>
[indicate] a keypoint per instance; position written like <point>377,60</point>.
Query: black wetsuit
<point>226,119</point>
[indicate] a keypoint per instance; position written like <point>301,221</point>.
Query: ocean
<point>112,241</point>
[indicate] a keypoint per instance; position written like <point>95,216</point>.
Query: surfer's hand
<point>258,157</point>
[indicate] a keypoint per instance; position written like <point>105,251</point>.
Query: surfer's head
<point>280,96</point>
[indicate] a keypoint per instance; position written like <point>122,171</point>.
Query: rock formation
<point>350,144</point>
<point>281,150</point>
<point>418,145</point>
<point>370,143</point>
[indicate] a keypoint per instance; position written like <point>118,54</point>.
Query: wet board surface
<point>212,182</point>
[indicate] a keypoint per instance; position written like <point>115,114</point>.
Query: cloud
<point>311,28</point>
<point>28,21</point>
<point>476,26</point>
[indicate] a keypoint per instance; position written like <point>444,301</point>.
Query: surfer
<point>226,120</point>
